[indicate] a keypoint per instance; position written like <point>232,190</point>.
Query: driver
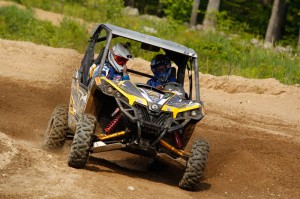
<point>161,68</point>
<point>115,65</point>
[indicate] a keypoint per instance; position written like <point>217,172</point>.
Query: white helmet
<point>119,55</point>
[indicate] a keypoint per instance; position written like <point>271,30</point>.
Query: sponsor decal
<point>97,80</point>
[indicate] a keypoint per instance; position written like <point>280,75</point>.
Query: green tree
<point>177,9</point>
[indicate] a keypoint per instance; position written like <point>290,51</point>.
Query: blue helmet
<point>161,67</point>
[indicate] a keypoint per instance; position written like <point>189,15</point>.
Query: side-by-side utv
<point>105,115</point>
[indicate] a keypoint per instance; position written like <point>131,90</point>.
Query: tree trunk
<point>194,15</point>
<point>276,22</point>
<point>211,14</point>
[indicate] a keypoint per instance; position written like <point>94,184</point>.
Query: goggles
<point>161,69</point>
<point>120,60</point>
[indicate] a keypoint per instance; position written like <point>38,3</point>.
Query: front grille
<point>154,122</point>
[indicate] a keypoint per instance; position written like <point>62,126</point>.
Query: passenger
<point>115,64</point>
<point>162,70</point>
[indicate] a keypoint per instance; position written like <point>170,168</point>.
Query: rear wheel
<point>57,130</point>
<point>195,165</point>
<point>82,141</point>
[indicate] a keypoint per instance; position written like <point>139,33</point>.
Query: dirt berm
<point>253,127</point>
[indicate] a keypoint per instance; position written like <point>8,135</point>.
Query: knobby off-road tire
<point>57,129</point>
<point>195,165</point>
<point>82,141</point>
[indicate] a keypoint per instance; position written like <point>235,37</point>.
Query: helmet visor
<point>160,68</point>
<point>162,73</point>
<point>119,59</point>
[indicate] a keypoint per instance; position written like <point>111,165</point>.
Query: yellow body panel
<point>133,98</point>
<point>71,106</point>
<point>176,110</point>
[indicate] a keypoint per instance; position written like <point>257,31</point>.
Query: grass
<point>20,24</point>
<point>218,53</point>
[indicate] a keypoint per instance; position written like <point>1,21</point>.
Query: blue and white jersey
<point>108,71</point>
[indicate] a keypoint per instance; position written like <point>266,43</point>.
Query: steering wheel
<point>141,85</point>
<point>173,83</point>
<point>175,88</point>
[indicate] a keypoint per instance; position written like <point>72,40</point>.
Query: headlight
<point>112,91</point>
<point>190,113</point>
<point>186,114</point>
<point>118,94</point>
<point>109,90</point>
<point>193,113</point>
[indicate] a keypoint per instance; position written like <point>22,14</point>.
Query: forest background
<point>254,39</point>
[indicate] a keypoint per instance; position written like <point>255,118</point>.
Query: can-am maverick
<point>105,115</point>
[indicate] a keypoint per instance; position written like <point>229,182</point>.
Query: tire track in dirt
<point>255,150</point>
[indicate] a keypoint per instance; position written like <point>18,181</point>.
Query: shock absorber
<point>177,140</point>
<point>112,125</point>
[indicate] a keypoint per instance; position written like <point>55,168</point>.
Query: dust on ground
<point>252,126</point>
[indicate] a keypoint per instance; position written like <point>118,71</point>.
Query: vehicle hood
<point>161,100</point>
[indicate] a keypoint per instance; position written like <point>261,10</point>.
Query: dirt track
<point>253,127</point>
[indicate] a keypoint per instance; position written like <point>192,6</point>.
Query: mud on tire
<point>195,165</point>
<point>82,141</point>
<point>57,129</point>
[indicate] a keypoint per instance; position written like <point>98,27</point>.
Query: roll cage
<point>177,53</point>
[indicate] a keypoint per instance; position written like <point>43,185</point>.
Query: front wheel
<point>57,130</point>
<point>195,165</point>
<point>82,141</point>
